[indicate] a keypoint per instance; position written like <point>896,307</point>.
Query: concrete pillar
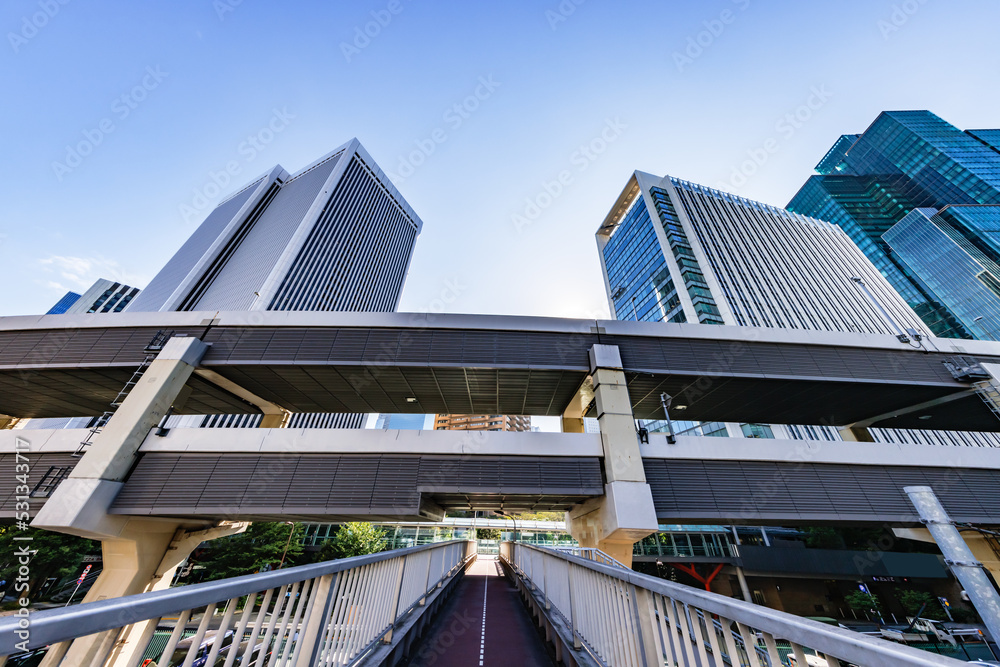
<point>958,557</point>
<point>625,514</point>
<point>744,587</point>
<point>140,554</point>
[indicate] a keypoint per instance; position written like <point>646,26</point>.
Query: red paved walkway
<point>485,624</point>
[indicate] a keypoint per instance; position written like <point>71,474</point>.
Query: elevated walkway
<point>388,475</point>
<point>74,365</point>
<point>372,610</point>
<point>484,623</point>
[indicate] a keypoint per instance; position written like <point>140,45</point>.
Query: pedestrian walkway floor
<point>484,624</point>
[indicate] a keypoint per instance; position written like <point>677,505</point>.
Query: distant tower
<point>482,423</point>
<point>104,296</point>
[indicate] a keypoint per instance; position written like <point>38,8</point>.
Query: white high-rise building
<point>335,236</point>
<point>674,251</point>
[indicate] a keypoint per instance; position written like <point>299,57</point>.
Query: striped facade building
<point>674,251</point>
<point>335,236</point>
<point>482,423</point>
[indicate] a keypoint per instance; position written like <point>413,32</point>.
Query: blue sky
<point>163,95</point>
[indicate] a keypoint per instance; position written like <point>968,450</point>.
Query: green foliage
<point>861,601</point>
<point>541,516</point>
<point>965,615</point>
<point>823,537</point>
<point>487,533</point>
<point>354,539</point>
<point>56,554</point>
<point>260,546</point>
<point>913,600</point>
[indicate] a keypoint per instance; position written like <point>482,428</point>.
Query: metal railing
<point>589,553</point>
<point>622,618</point>
<point>331,613</point>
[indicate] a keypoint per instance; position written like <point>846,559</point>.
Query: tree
<point>487,533</point>
<point>913,600</point>
<point>259,547</point>
<point>822,537</point>
<point>354,539</point>
<point>861,601</point>
<point>55,555</point>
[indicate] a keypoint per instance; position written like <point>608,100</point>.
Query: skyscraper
<point>905,160</point>
<point>674,251</point>
<point>954,252</point>
<point>62,304</point>
<point>335,236</point>
<point>104,296</point>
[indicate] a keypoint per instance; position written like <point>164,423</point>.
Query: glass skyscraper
<point>677,252</point>
<point>905,160</point>
<point>956,252</point>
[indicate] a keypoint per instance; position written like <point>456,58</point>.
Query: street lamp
<point>288,543</point>
<point>508,516</point>
<point>665,400</point>
<point>618,292</point>
<point>985,328</point>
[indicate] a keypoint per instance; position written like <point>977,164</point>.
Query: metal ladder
<point>990,395</point>
<point>152,349</point>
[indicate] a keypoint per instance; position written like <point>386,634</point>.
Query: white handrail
<point>625,618</point>
<point>330,613</point>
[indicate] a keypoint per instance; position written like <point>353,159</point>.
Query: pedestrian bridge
<point>281,474</point>
<point>74,365</point>
<point>440,605</point>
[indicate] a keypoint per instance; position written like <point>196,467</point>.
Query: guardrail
<point>590,553</point>
<point>331,613</point>
<point>623,618</point>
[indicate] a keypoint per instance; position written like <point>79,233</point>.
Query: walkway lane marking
<point>482,635</point>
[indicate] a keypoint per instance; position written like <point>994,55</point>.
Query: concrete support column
<point>744,587</point>
<point>140,554</point>
<point>625,514</point>
<point>958,556</point>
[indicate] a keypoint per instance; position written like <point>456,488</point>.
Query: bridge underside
<point>492,365</point>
